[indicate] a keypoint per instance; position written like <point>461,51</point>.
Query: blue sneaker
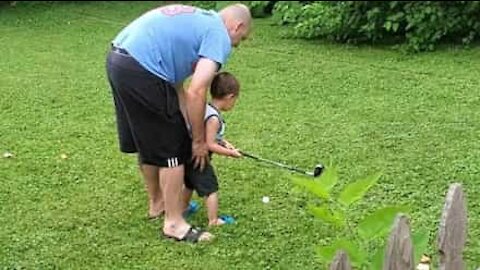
<point>227,219</point>
<point>192,208</point>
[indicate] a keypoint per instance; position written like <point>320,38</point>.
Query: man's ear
<point>239,26</point>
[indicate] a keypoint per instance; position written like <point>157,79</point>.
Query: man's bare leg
<point>171,180</point>
<point>156,205</point>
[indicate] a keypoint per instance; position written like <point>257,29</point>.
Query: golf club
<point>317,171</point>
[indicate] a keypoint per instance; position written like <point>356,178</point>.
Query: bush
<point>419,25</point>
<point>9,3</point>
<point>205,4</point>
<point>260,9</point>
<point>287,12</point>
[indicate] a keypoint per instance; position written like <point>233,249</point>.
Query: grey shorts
<point>204,183</point>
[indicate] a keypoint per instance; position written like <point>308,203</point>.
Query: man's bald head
<point>238,20</point>
<point>238,12</point>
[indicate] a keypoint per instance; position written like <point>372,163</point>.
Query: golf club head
<point>318,170</point>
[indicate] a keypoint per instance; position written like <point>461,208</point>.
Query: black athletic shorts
<point>149,120</point>
<point>204,182</point>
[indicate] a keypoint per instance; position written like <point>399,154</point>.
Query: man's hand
<point>199,154</point>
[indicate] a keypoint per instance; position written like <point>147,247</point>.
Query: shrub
<point>9,3</point>
<point>259,9</point>
<point>205,4</point>
<point>419,25</point>
<point>287,12</point>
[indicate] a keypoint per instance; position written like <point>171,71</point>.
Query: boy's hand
<point>235,153</point>
<point>228,145</point>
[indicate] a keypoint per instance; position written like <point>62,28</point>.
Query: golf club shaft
<point>275,163</point>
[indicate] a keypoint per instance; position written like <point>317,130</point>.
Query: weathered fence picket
<point>341,261</point>
<point>399,253</point>
<point>452,233</point>
<point>453,230</point>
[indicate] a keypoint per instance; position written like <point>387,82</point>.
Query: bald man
<point>149,61</point>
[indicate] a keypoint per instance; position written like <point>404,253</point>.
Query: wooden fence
<point>451,238</point>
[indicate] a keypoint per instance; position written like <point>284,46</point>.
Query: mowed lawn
<point>70,200</point>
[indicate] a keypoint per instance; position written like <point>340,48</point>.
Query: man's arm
<point>181,99</point>
<point>196,101</point>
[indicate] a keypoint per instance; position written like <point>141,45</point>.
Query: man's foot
<point>192,235</point>
<point>155,216</point>
<point>155,210</point>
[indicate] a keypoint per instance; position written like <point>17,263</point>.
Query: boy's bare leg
<point>156,205</point>
<point>171,180</point>
<point>212,209</point>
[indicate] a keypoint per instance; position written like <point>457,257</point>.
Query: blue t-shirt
<point>169,41</point>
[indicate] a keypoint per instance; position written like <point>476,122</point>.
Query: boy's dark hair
<point>224,84</point>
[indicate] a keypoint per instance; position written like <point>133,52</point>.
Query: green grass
<point>416,118</point>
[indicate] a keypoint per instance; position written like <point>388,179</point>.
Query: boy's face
<point>230,101</point>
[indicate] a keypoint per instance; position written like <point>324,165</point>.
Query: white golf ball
<point>265,199</point>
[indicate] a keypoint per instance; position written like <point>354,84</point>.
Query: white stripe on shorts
<point>172,162</point>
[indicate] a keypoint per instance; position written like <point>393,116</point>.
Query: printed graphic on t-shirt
<point>172,10</point>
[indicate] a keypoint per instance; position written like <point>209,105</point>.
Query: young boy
<point>224,92</point>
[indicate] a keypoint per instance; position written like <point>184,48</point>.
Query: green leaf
<point>398,16</point>
<point>420,241</point>
<point>395,26</point>
<point>409,25</point>
<point>379,223</point>
<point>327,215</point>
<point>356,255</point>
<point>377,259</point>
<point>312,186</point>
<point>329,178</point>
<point>355,191</point>
<point>388,25</point>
